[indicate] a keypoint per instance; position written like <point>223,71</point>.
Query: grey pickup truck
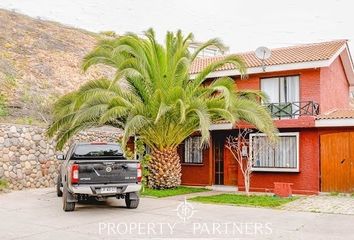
<point>98,170</point>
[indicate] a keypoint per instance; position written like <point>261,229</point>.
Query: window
<point>281,157</point>
<point>191,150</point>
<point>282,91</point>
<point>97,150</point>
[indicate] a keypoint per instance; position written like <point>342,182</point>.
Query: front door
<point>225,167</point>
<point>230,169</point>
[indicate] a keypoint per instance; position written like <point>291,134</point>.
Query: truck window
<point>93,151</point>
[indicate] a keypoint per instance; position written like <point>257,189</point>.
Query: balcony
<point>293,109</point>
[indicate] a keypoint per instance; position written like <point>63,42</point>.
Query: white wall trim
<point>348,68</point>
<point>334,122</point>
<point>221,126</point>
<point>272,68</point>
<point>331,60</point>
<point>297,169</point>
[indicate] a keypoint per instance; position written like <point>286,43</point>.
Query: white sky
<point>242,25</point>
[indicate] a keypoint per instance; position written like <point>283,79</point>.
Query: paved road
<point>37,214</point>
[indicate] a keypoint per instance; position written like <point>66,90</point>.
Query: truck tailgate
<point>107,171</point>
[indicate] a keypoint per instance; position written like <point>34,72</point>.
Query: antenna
<point>263,53</point>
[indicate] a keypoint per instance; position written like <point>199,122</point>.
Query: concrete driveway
<point>37,214</point>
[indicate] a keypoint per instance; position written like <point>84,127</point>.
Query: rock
<point>7,142</point>
<point>52,169</point>
<point>43,144</point>
<point>31,157</point>
<point>5,166</point>
<point>51,152</point>
<point>23,158</point>
<point>27,136</point>
<point>13,175</point>
<point>2,140</point>
<point>46,183</point>
<point>19,174</point>
<point>26,143</point>
<point>13,149</point>
<point>37,137</point>
<point>13,129</point>
<point>14,141</point>
<point>5,158</point>
<point>28,165</point>
<point>42,159</point>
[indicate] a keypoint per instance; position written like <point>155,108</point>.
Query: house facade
<point>309,93</point>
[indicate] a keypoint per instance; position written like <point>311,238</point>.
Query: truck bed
<point>107,171</point>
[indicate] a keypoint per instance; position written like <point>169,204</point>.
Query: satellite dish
<point>263,53</point>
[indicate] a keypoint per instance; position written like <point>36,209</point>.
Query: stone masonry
<point>28,158</point>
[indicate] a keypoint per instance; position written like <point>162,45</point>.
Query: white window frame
<point>199,149</point>
<point>260,169</point>
<point>285,77</point>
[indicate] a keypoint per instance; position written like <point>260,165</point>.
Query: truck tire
<point>132,200</point>
<point>59,192</point>
<point>67,206</point>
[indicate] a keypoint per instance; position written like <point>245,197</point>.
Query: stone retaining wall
<point>28,158</point>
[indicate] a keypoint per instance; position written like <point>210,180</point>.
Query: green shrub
<point>3,108</point>
<point>10,81</point>
<point>3,184</point>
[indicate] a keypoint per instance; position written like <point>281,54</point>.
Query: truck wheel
<point>59,192</point>
<point>132,200</point>
<point>67,206</point>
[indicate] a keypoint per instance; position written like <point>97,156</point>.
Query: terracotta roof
<point>285,55</point>
<point>338,114</point>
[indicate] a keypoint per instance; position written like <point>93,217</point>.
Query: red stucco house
<point>309,90</point>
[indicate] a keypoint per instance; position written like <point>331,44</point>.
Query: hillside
<point>39,61</point>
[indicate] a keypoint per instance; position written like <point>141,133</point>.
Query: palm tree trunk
<point>164,169</point>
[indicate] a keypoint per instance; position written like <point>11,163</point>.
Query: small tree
<point>238,146</point>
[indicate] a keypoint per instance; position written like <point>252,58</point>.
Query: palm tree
<point>153,95</point>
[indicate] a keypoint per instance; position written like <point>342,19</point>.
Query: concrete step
<point>223,188</point>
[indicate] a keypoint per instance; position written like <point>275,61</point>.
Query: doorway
<point>225,167</point>
<point>337,162</point>
<point>219,159</point>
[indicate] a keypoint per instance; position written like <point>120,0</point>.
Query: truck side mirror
<point>60,157</point>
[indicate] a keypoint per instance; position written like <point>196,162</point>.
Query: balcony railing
<point>293,109</point>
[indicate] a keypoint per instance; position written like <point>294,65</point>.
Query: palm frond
<point>152,94</point>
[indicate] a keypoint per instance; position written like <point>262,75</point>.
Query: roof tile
<point>285,55</point>
<point>338,114</point>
